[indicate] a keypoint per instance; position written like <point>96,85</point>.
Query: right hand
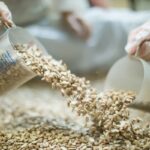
<point>139,42</point>
<point>5,15</point>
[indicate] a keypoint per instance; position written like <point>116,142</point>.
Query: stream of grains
<point>105,114</point>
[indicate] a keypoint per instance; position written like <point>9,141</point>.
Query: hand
<point>139,42</point>
<point>77,24</point>
<point>5,15</point>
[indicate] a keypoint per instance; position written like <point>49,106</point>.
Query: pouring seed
<point>106,114</point>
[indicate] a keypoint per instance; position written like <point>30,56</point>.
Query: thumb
<point>131,48</point>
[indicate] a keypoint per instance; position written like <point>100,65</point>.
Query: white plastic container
<point>13,71</point>
<point>131,74</point>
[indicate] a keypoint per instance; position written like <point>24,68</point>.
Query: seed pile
<point>43,134</point>
<point>47,137</point>
<point>81,97</point>
<point>106,114</point>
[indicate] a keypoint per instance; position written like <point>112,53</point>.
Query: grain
<point>106,114</point>
<point>13,77</point>
<point>13,73</point>
<point>46,137</point>
<point>81,97</point>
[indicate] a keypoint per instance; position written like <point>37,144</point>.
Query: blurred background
<point>133,4</point>
<point>88,35</point>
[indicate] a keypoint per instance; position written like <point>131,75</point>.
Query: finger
<point>79,26</point>
<point>144,51</point>
<point>7,23</point>
<point>130,48</point>
<point>85,28</point>
<point>133,34</point>
<point>5,13</point>
<point>140,37</point>
<point>74,24</point>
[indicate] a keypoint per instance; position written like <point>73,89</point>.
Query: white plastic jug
<point>131,74</point>
<point>13,71</point>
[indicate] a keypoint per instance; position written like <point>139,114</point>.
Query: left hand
<point>5,15</point>
<point>78,25</point>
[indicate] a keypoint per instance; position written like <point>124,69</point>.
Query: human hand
<point>5,15</point>
<point>77,24</point>
<point>139,42</point>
